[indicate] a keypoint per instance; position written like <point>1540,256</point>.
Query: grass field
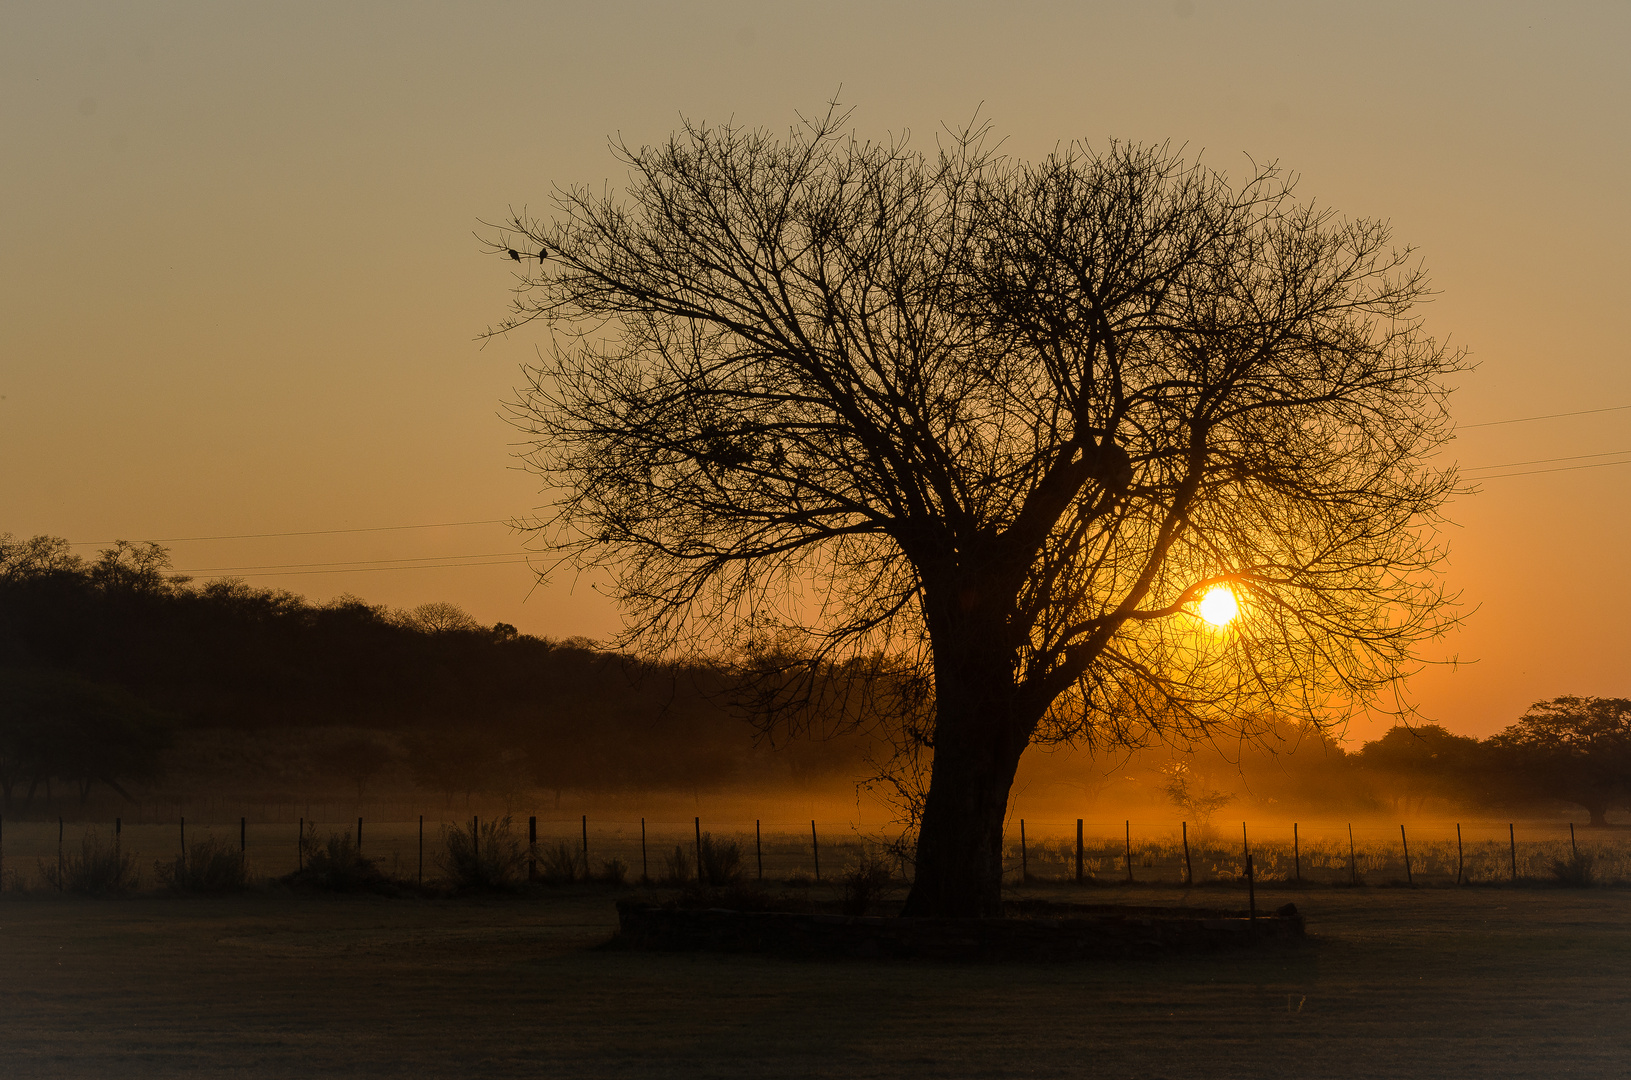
<point>1481,982</point>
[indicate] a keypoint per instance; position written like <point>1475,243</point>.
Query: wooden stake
<point>184,843</point>
<point>1512,837</point>
<point>1129,852</point>
<point>1572,849</point>
<point>815,848</point>
<point>532,847</point>
<point>300,846</point>
<point>1189,870</point>
<point>1024,865</point>
<point>644,875</point>
<point>59,854</point>
<point>1460,854</point>
<point>1353,872</point>
<point>1296,853</point>
<point>475,836</point>
<point>698,823</point>
<point>359,836</point>
<point>1408,878</point>
<point>421,849</point>
<point>1078,851</point>
<point>1251,887</point>
<point>586,847</point>
<point>759,848</point>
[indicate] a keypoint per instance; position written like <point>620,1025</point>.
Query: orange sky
<point>239,291</point>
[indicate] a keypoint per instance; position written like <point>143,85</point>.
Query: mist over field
<point>129,692</point>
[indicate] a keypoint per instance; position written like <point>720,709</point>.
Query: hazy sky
<point>239,290</point>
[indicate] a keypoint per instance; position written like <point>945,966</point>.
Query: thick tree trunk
<point>980,733</point>
<point>1598,812</point>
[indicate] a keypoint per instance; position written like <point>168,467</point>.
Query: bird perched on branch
<point>514,254</point>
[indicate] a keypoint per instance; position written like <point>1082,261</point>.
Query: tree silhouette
<point>995,426</point>
<point>1572,749</point>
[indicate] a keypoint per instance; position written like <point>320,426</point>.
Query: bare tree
<point>994,429</point>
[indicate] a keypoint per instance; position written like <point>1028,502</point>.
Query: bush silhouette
<point>100,869</point>
<point>484,856</point>
<point>209,866</point>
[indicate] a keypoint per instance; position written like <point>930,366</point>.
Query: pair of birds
<point>543,253</point>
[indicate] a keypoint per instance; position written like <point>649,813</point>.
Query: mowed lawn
<point>1482,982</point>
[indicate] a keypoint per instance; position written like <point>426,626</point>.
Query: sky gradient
<point>240,291</point>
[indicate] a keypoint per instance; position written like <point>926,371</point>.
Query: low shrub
<point>1578,871</point>
<point>484,856</point>
<point>677,867</point>
<point>337,865</point>
<point>100,868</point>
<point>209,866</point>
<point>720,864</point>
<point>614,872</point>
<point>563,864</point>
<point>866,882</point>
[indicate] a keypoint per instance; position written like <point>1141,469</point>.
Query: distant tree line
<point>107,665</point>
<point>110,666</point>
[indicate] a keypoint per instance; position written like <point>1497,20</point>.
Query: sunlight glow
<point>1218,606</point>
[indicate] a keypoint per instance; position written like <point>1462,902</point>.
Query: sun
<point>1218,606</point>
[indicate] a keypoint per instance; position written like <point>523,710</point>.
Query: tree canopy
<point>992,428</point>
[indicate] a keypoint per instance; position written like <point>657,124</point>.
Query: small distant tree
<point>1189,793</point>
<point>1412,764</point>
<point>55,725</point>
<point>135,568</point>
<point>36,557</point>
<point>1573,749</point>
<point>440,617</point>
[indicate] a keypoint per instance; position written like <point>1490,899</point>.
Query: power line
<point>375,569</point>
<point>355,562</point>
<point>1548,416</point>
<point>1565,468</point>
<point>1545,461</point>
<point>306,532</point>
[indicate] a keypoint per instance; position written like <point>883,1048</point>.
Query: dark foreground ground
<point>1482,982</point>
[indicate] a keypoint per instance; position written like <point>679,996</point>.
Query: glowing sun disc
<point>1218,606</point>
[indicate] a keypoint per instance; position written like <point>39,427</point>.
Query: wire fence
<point>1086,852</point>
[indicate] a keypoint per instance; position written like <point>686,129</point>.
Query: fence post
<point>1296,853</point>
<point>1409,879</point>
<point>475,837</point>
<point>815,848</point>
<point>1078,851</point>
<point>1353,873</point>
<point>1129,852</point>
<point>359,836</point>
<point>1459,854</point>
<point>1189,869</point>
<point>1572,849</point>
<point>1251,887</point>
<point>586,847</point>
<point>300,846</point>
<point>183,863</point>
<point>1024,864</point>
<point>532,847</point>
<point>1512,838</point>
<point>421,849</point>
<point>759,848</point>
<point>59,854</point>
<point>645,875</point>
<point>697,822</point>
